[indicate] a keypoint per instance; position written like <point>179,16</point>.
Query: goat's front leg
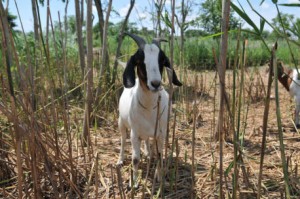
<point>136,154</point>
<point>122,130</point>
<point>147,148</point>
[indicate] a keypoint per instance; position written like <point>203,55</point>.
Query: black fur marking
<point>129,74</point>
<point>135,161</point>
<point>175,80</point>
<point>137,60</point>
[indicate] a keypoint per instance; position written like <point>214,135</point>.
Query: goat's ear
<point>129,73</point>
<point>175,80</point>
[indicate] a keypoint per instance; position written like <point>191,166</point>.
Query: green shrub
<point>257,54</point>
<point>198,55</point>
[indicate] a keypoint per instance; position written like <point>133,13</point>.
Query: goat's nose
<point>155,84</point>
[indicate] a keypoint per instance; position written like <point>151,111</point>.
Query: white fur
<point>138,112</point>
<point>151,56</point>
<point>295,92</point>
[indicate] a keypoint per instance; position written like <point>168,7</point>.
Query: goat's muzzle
<point>155,86</point>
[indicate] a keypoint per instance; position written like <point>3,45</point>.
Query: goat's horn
<point>157,41</point>
<point>139,41</point>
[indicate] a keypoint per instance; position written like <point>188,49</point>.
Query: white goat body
<point>138,103</point>
<point>138,112</point>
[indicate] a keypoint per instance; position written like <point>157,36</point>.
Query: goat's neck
<point>146,99</point>
<point>285,79</point>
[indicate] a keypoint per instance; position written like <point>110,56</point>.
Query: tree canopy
<point>211,15</point>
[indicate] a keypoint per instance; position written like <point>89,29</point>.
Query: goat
<point>138,102</point>
<point>289,79</point>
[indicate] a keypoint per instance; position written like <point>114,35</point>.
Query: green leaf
<point>244,16</point>
<point>230,166</point>
<point>274,1</point>
<point>167,20</point>
<point>294,29</point>
<point>216,35</point>
<point>249,31</point>
<point>156,6</point>
<point>290,4</point>
<point>186,25</point>
<point>262,24</point>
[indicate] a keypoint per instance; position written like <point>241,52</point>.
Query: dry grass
<point>91,173</point>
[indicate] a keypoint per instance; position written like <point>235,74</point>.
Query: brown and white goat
<point>289,78</point>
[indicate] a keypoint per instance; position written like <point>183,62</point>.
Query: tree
<point>211,15</point>
<point>195,33</point>
<point>285,21</point>
<point>296,28</point>
<point>225,16</point>
<point>120,40</point>
<point>89,74</point>
<point>185,8</point>
<point>98,5</point>
<point>11,20</point>
<point>159,6</point>
<point>282,21</point>
<point>105,59</point>
<point>103,25</point>
<point>80,38</point>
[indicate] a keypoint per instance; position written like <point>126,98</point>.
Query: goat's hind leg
<point>136,154</point>
<point>122,130</point>
<point>297,110</point>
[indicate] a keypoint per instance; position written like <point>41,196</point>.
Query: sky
<point>141,12</point>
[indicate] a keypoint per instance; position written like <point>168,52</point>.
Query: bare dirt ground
<point>207,150</point>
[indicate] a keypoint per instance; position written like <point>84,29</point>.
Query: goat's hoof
<point>135,187</point>
<point>147,155</point>
<point>158,179</point>
<point>298,126</point>
<point>120,164</point>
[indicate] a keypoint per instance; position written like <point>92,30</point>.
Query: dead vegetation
<point>47,155</point>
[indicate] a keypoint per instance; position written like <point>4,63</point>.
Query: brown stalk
<point>120,40</point>
<point>18,137</point>
<point>195,112</point>
<point>79,37</point>
<point>160,156</point>
<point>89,71</point>
<point>132,183</point>
<point>172,147</point>
<point>96,175</point>
<point>94,165</point>
<point>221,70</point>
<point>120,182</point>
<point>265,122</point>
<point>176,164</point>
<point>104,55</point>
<point>146,178</point>
<point>7,43</point>
<point>112,180</point>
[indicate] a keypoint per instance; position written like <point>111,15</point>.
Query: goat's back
<point>295,85</point>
